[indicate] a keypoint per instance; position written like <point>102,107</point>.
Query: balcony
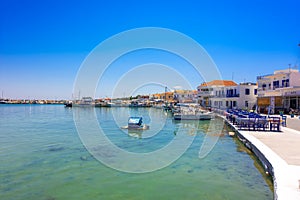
<point>232,95</point>
<point>264,77</point>
<point>206,93</point>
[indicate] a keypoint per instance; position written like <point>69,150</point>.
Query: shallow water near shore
<point>43,158</point>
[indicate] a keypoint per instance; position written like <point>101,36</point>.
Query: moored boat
<point>136,123</point>
<point>84,102</point>
<point>193,114</point>
<point>68,104</point>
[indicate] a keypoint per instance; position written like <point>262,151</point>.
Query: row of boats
<point>180,111</point>
<point>88,102</point>
<point>190,112</point>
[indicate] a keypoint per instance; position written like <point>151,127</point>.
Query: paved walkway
<point>286,144</point>
<point>282,150</point>
<point>293,123</point>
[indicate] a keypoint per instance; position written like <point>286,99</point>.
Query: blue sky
<point>43,43</point>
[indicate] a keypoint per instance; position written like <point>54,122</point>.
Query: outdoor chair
<point>242,123</point>
<point>262,124</point>
<point>252,124</point>
<point>274,123</point>
<point>283,118</point>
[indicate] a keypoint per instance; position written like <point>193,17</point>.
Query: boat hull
<point>193,117</point>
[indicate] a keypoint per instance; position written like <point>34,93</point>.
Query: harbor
<point>271,134</point>
<point>45,159</point>
<point>259,124</point>
<point>150,100</point>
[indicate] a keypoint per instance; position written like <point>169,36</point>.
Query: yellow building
<point>166,96</point>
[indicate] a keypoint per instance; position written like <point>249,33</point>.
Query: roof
<point>219,83</point>
<point>185,91</point>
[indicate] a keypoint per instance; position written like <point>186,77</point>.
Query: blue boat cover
<point>135,120</point>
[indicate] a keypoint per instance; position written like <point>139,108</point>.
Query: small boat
<point>84,102</point>
<point>136,123</point>
<point>68,104</point>
<point>193,115</point>
<point>136,104</point>
<point>3,102</point>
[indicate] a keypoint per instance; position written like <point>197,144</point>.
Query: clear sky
<point>43,43</point>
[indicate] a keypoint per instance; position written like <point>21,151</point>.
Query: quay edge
<point>284,179</point>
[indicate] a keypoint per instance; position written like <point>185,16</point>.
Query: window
<point>275,84</point>
<point>286,83</point>
<point>247,91</point>
<point>255,91</point>
<point>226,103</point>
<point>246,104</point>
<point>234,103</point>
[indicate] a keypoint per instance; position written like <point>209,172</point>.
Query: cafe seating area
<point>251,121</point>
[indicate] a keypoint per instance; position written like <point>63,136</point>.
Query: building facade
<point>226,94</point>
<point>279,91</point>
<point>185,96</point>
<point>166,96</point>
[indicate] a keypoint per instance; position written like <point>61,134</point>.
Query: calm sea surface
<point>42,157</point>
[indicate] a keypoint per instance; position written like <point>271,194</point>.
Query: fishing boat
<point>84,102</point>
<point>193,114</point>
<point>68,104</point>
<point>136,123</point>
<point>3,102</point>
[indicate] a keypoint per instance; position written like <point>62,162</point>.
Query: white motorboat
<point>84,102</point>
<point>193,114</point>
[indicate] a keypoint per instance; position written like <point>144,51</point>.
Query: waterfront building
<point>224,94</point>
<point>185,96</point>
<point>165,96</point>
<point>279,91</point>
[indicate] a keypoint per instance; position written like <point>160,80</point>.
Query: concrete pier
<point>279,153</point>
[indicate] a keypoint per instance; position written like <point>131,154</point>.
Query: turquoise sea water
<point>43,158</point>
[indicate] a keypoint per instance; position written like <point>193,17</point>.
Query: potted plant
<point>292,113</point>
<point>281,113</point>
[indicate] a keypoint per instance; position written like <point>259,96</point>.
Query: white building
<point>185,96</point>
<point>279,91</point>
<point>223,94</point>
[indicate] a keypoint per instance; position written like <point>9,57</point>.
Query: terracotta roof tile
<point>219,83</point>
